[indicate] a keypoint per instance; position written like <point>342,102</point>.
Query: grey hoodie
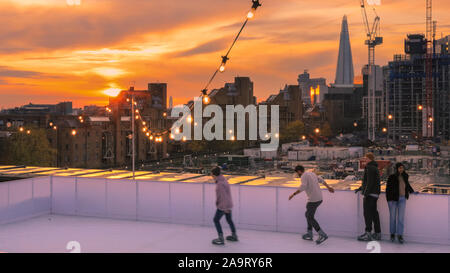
<point>223,194</point>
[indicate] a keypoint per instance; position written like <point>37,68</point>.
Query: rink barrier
<point>255,207</point>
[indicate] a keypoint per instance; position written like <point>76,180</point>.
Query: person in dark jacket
<point>397,192</point>
<point>370,189</point>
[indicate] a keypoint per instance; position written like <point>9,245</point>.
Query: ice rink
<point>52,233</point>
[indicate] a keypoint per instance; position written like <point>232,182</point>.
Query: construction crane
<point>428,115</point>
<point>373,33</point>
<point>373,39</point>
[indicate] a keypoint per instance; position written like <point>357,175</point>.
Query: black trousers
<point>371,215</point>
<point>311,208</point>
<point>217,218</point>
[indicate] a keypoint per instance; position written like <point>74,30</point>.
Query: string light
<point>225,58</point>
<point>21,129</point>
<point>205,98</point>
<point>74,132</point>
<point>28,132</point>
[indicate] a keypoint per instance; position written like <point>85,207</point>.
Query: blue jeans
<point>218,216</point>
<point>397,215</point>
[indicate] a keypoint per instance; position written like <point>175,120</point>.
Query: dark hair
<point>398,165</point>
<point>215,171</point>
<point>299,168</point>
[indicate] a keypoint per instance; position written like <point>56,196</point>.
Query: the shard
<point>344,71</point>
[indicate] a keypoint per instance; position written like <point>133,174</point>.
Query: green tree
<point>326,130</point>
<point>292,132</point>
<point>28,148</point>
<point>197,146</point>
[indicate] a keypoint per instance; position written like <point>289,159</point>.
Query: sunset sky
<point>51,51</point>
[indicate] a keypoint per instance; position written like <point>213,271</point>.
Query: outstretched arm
<point>294,194</point>
<point>323,182</point>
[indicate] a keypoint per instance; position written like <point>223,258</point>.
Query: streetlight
<point>420,107</point>
<point>384,130</point>
<point>317,130</point>
<point>74,132</point>
<point>390,117</point>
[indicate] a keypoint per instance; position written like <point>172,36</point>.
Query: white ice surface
<point>51,233</point>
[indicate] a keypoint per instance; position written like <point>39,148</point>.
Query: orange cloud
<point>53,52</point>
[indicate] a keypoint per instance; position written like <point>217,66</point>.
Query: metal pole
<point>133,135</point>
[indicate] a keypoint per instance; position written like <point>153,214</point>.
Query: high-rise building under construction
<point>405,81</point>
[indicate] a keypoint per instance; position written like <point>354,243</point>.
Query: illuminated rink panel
<point>239,179</point>
<point>151,176</point>
<point>176,177</point>
<point>4,167</point>
<point>56,172</point>
<point>103,174</point>
<point>268,181</point>
<point>21,171</point>
<point>127,174</point>
<point>76,172</point>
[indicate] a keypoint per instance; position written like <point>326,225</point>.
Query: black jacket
<point>392,187</point>
<point>371,180</point>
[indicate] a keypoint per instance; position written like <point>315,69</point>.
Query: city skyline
<point>55,52</point>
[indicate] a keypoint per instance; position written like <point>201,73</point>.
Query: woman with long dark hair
<point>397,192</point>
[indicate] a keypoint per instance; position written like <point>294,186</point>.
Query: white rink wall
<point>255,207</point>
<point>23,199</point>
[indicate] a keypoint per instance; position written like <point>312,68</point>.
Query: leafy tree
<point>292,132</point>
<point>31,149</point>
<point>326,130</point>
<point>197,146</point>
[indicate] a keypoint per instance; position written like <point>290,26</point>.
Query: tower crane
<point>373,39</point>
<point>428,115</point>
<point>373,33</point>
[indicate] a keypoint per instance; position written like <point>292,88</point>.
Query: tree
<point>326,130</point>
<point>197,146</point>
<point>292,132</point>
<point>33,149</point>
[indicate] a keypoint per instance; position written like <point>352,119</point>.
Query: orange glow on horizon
<point>71,62</point>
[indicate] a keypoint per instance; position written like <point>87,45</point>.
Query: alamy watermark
<point>214,128</point>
